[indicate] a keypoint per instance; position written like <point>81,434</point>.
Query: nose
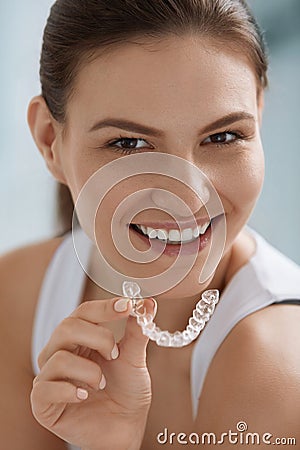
<point>183,190</point>
<point>182,201</point>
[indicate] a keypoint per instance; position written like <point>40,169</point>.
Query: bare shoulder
<point>21,276</point>
<point>25,261</point>
<point>255,376</point>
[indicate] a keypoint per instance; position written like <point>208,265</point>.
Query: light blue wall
<point>26,187</point>
<point>277,215</point>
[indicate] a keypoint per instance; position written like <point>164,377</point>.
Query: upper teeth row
<point>185,235</point>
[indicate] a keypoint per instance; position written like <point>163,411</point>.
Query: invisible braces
<point>201,315</point>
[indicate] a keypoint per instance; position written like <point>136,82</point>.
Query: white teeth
<point>196,232</point>
<point>187,235</point>
<point>162,234</point>
<point>174,236</point>
<point>144,229</point>
<point>204,227</point>
<point>151,232</point>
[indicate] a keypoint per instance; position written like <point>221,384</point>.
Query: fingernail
<point>115,352</point>
<point>155,306</point>
<point>82,394</point>
<point>102,382</point>
<point>121,305</point>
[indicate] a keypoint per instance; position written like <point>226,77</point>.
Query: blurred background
<point>27,190</point>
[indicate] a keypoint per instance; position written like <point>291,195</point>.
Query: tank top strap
<point>255,286</point>
<point>61,290</point>
<point>269,277</point>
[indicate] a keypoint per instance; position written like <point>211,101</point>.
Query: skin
<point>178,68</point>
<point>213,81</point>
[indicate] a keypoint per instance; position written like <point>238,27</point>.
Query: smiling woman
<point>177,85</point>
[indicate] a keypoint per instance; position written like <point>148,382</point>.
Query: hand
<point>76,360</point>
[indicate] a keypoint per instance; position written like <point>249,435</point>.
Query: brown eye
<point>126,145</point>
<point>225,137</point>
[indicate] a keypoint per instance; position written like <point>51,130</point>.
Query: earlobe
<point>45,135</point>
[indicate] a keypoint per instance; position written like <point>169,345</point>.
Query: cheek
<point>239,179</point>
<point>80,168</point>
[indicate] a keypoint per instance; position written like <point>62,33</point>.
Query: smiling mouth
<point>174,236</point>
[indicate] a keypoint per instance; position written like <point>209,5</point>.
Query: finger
<point>134,343</point>
<point>46,393</point>
<point>64,365</point>
<point>72,332</point>
<point>97,311</point>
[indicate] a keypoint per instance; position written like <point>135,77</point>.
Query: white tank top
<point>268,277</point>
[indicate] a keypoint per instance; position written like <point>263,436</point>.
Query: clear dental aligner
<point>201,315</point>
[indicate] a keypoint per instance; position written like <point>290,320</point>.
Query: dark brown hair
<point>79,30</point>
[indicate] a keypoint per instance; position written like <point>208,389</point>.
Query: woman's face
<point>202,98</point>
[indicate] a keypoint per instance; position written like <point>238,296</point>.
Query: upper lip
<point>175,225</point>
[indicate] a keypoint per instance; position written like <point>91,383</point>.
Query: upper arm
<point>255,378</point>
<point>21,273</point>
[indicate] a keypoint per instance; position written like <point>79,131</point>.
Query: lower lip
<point>190,248</point>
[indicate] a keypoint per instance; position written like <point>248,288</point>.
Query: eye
<point>127,145</point>
<point>226,137</point>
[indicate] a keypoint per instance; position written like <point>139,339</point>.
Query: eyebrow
<point>128,125</point>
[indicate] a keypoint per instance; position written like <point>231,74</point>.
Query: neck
<point>173,313</point>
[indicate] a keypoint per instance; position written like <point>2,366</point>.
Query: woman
<point>184,78</point>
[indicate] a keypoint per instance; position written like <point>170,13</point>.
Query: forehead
<point>182,77</point>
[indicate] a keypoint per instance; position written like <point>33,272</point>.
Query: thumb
<point>133,345</point>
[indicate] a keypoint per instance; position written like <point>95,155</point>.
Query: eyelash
<point>112,144</point>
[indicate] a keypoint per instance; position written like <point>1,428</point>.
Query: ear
<point>260,105</point>
<point>46,133</point>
